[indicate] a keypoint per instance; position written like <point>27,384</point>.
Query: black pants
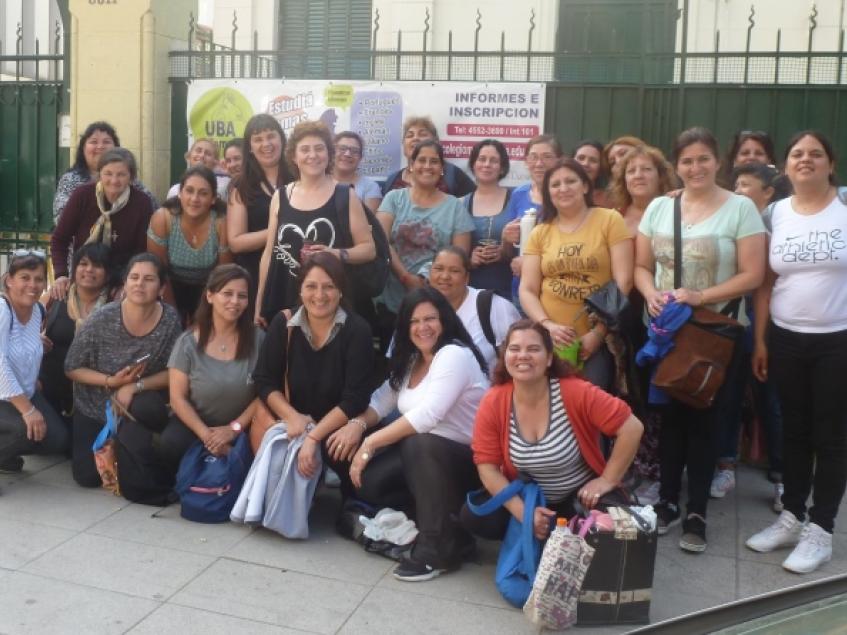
<point>809,370</point>
<point>13,441</point>
<point>691,437</point>
<point>427,476</point>
<point>151,413</point>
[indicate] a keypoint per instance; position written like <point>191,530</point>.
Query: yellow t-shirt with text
<point>575,265</point>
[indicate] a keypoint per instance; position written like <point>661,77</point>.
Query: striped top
<point>20,352</point>
<point>554,461</point>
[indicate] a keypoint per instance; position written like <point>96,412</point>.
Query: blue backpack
<point>208,485</point>
<point>520,552</point>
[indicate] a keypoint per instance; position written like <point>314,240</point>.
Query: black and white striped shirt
<point>554,461</point>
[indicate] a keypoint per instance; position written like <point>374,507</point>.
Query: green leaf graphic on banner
<point>338,95</point>
<point>220,114</point>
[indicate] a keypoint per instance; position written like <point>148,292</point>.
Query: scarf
<point>75,305</point>
<point>101,232</point>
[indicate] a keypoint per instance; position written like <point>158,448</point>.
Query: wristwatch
<point>139,386</point>
<point>344,255</point>
<point>235,426</point>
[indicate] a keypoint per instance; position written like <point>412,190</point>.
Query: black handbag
<point>618,585</point>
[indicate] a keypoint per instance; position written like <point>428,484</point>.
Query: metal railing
<point>411,58</point>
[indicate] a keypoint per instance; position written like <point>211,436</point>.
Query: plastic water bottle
<point>527,223</point>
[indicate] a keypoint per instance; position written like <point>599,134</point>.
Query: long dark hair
<point>248,184</point>
<point>603,170</point>
<point>548,209</point>
<point>221,276</point>
<point>174,205</point>
<point>559,367</point>
<point>452,332</point>
<point>825,143</point>
<point>80,165</point>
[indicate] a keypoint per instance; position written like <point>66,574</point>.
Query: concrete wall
<point>119,72</point>
<point>791,16</point>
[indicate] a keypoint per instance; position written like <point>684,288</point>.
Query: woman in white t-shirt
<point>801,345</point>
<point>723,254</point>
<point>423,460</point>
<point>449,274</point>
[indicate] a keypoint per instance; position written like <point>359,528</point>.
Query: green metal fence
<point>630,86</point>
<point>33,95</point>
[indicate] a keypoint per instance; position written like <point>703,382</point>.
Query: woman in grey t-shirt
<point>120,353</point>
<point>210,369</point>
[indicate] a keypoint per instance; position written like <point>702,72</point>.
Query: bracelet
<point>359,422</point>
<point>315,439</point>
<point>28,412</point>
<point>106,381</point>
<point>541,322</point>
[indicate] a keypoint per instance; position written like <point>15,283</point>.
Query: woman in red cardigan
<point>543,423</point>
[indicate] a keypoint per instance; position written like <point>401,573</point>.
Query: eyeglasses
<point>23,253</point>
<point>535,158</point>
<point>348,150</point>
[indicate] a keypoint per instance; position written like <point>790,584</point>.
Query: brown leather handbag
<point>695,369</point>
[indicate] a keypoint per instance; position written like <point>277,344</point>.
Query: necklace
<point>571,229</point>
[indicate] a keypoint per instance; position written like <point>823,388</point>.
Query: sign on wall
<point>463,113</point>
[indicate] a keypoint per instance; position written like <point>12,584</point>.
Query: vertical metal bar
<point>529,44</point>
<point>837,110</point>
<point>813,24</point>
<point>373,44</point>
<point>423,56</point>
<point>476,43</point>
<point>715,68</point>
<point>682,65</point>
<point>502,55</point>
<point>399,47</point>
<point>256,62</point>
<point>449,55</point>
<point>752,23</point>
<point>778,56</point>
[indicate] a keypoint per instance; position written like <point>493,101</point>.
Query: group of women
<point>473,394</point>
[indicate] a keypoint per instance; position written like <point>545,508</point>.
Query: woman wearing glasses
<point>28,424</point>
<point>349,150</point>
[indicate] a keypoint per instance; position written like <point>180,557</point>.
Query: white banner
<point>463,113</point>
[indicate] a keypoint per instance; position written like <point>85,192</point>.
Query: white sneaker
<point>785,532</point>
<point>814,548</point>
<point>722,483</point>
<point>778,491</point>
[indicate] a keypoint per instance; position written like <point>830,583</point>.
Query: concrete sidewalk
<point>84,561</point>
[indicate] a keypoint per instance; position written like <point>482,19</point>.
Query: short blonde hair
<point>423,122</point>
<point>621,197</point>
<point>308,129</point>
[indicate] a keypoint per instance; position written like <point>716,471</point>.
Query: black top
<point>293,227</point>
<point>257,220</point>
<point>339,374</point>
<point>57,388</point>
<point>454,182</point>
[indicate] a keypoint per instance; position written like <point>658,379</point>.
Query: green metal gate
<point>600,85</point>
<point>33,96</point>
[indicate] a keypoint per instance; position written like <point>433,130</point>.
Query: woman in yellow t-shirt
<point>573,251</point>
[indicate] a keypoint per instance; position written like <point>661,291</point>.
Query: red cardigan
<point>591,411</point>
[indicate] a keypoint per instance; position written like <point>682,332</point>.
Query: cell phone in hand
<point>142,359</point>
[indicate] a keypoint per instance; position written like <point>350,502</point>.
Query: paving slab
<point>166,528</point>
<point>119,565</point>
<point>273,595</point>
<point>170,618</point>
<point>42,606</point>
<point>67,508</point>
<point>23,542</point>
<point>388,611</point>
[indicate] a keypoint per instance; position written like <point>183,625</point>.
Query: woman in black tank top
<point>304,219</point>
<point>250,197</point>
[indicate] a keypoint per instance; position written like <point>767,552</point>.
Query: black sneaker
<point>667,515</point>
<point>12,465</point>
<point>410,570</point>
<point>693,534</point>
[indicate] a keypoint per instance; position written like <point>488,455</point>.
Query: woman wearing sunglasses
<point>28,424</point>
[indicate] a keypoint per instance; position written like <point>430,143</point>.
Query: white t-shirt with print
<point>809,254</point>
